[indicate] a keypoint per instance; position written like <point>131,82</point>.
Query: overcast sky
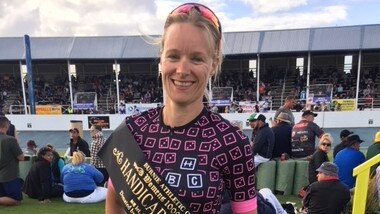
<point>134,17</point>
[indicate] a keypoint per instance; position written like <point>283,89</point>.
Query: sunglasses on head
<point>326,144</point>
<point>205,11</point>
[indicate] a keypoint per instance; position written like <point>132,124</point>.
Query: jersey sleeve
<point>240,175</point>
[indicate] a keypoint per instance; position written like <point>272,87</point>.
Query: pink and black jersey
<point>199,160</point>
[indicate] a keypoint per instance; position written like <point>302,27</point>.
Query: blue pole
<point>28,60</point>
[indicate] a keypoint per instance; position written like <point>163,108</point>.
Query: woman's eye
<point>197,59</point>
<point>172,57</point>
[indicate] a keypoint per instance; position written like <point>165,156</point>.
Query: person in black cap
<point>343,144</point>
<point>304,134</point>
<point>348,159</point>
<point>328,194</point>
<point>77,143</point>
<point>263,140</point>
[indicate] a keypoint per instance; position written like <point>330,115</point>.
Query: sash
<point>139,187</point>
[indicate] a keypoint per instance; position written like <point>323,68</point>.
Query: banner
<point>222,96</point>
<point>103,121</point>
<point>136,183</point>
<point>134,108</point>
<point>344,104</point>
<point>48,109</point>
<point>83,106</point>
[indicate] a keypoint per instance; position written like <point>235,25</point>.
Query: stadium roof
<point>348,38</point>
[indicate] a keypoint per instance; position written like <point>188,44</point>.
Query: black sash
<point>139,187</point>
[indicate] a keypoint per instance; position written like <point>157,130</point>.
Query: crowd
<point>50,175</point>
<point>330,181</point>
<point>136,88</point>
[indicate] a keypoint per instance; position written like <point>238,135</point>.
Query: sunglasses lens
<point>326,144</point>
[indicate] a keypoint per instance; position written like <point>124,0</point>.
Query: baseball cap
<point>354,138</point>
<point>308,112</point>
<point>254,117</point>
<point>377,137</point>
<point>283,117</point>
<point>328,168</point>
<point>345,133</point>
<point>74,129</point>
<point>31,144</point>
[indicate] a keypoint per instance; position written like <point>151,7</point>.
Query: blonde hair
<point>78,158</point>
<point>326,136</point>
<point>195,17</point>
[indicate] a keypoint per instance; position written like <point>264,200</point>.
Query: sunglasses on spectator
<point>204,11</point>
<point>326,144</point>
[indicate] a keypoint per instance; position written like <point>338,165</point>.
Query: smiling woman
<point>197,153</point>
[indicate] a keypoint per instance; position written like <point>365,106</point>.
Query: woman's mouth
<point>182,83</point>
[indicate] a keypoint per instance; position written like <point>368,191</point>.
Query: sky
<point>60,18</point>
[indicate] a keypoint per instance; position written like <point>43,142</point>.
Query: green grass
<point>57,206</point>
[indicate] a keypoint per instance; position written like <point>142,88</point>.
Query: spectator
<point>343,144</point>
<point>374,150</point>
<point>56,165</point>
<point>328,194</point>
<point>77,143</point>
<point>319,156</point>
<point>12,129</point>
<point>97,143</point>
<point>304,134</point>
<point>79,181</point>
<point>287,108</point>
<point>263,139</point>
<point>38,183</point>
<point>348,159</point>
<point>11,154</point>
<point>30,148</point>
<point>282,135</point>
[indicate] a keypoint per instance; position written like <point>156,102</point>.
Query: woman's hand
<point>45,201</point>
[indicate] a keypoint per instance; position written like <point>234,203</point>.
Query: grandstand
<point>287,62</point>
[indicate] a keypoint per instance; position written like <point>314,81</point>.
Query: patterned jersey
<point>199,160</point>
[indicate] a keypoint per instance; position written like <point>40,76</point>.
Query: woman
<point>217,154</point>
<point>38,183</point>
<point>79,181</point>
<point>56,165</point>
<point>319,156</point>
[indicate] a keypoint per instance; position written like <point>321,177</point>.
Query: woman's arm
<point>113,204</point>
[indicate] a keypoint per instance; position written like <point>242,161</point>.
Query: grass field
<point>58,206</point>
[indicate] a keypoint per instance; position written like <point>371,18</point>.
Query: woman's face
<point>48,156</point>
<point>186,63</point>
<point>325,145</point>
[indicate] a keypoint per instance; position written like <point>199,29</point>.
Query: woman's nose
<point>183,67</point>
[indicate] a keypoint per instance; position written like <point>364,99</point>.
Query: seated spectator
<point>31,148</point>
<point>328,194</point>
<point>343,144</point>
<point>38,183</point>
<point>319,156</point>
<point>56,165</point>
<point>79,181</point>
<point>282,135</point>
<point>348,159</point>
<point>262,139</point>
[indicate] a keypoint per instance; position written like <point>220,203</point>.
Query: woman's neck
<point>176,116</point>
